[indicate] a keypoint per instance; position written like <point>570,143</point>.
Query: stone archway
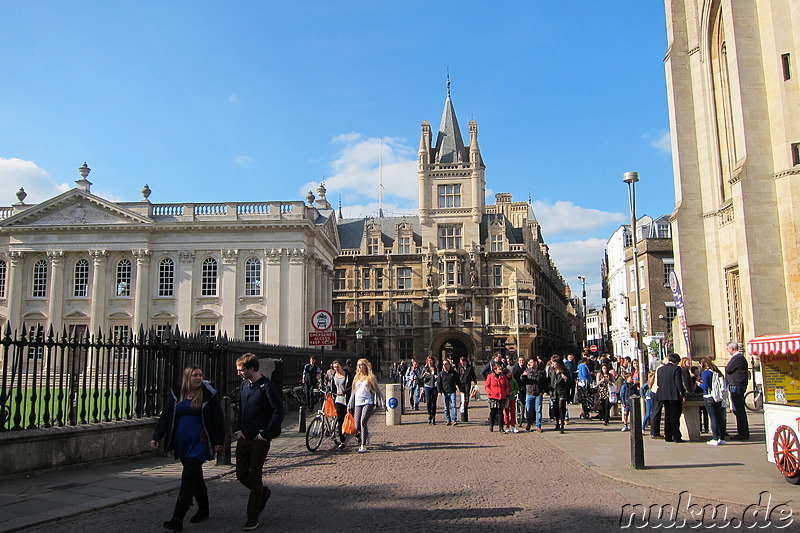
<point>453,345</point>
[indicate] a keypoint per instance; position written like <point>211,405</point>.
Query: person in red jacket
<point>497,390</point>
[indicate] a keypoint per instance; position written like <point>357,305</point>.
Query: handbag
<point>612,393</point>
<point>349,424</point>
<point>328,408</point>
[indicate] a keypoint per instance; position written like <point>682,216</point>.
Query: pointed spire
<point>449,144</point>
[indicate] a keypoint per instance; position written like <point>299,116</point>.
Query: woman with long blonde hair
<point>365,396</point>
<point>192,423</point>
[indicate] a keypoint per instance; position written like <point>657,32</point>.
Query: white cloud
<point>581,258</point>
<point>565,218</point>
<point>243,159</point>
<point>39,186</point>
<point>663,143</point>
<point>234,99</point>
<point>357,166</point>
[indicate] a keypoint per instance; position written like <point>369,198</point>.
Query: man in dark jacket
<point>737,375</point>
<point>466,375</point>
<point>488,368</point>
<point>259,421</point>
<point>449,384</point>
<point>671,393</point>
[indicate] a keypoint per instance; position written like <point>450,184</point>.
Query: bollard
<point>637,442</point>
<point>302,415</point>
<point>393,398</point>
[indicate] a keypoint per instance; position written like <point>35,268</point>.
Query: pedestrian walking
<point>510,410</point>
<point>414,384</point>
<point>259,421</point>
<point>534,382</point>
<point>310,377</point>
<point>340,387</point>
<point>559,391</point>
<point>466,375</point>
<point>449,385</point>
<point>605,380</point>
<point>365,397</point>
<point>192,423</point>
<point>497,391</point>
<point>430,380</point>
<point>585,387</point>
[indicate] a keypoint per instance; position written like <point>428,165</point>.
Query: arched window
<point>2,279</point>
<point>39,279</point>
<point>252,277</point>
<point>124,278</point>
<point>80,287</point>
<point>166,277</point>
<point>721,91</point>
<point>209,280</point>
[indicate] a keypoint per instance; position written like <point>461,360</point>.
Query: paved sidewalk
<point>735,473</point>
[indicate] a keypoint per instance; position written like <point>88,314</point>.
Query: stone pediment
<point>75,208</point>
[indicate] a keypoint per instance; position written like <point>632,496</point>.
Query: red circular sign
<point>593,347</point>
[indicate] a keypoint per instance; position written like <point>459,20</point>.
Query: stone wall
<point>52,448</point>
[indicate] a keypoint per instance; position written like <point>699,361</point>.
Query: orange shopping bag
<point>349,424</point>
<point>329,409</point>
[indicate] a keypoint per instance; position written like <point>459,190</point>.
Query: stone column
<point>228,293</point>
<point>297,301</point>
<point>272,295</point>
<point>56,303</point>
<point>16,271</point>
<point>184,290</point>
<point>98,308</point>
<point>141,317</point>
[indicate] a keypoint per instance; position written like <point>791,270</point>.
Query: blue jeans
<point>648,404</point>
<point>533,407</point>
<point>715,415</point>
<point>450,409</point>
<point>413,396</point>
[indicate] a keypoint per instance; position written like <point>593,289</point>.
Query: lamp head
<point>630,177</point>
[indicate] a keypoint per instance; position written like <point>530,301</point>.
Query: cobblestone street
<point>416,477</point>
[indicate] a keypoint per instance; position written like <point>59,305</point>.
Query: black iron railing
<point>50,380</point>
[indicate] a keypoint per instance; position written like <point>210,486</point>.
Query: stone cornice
<point>788,172</point>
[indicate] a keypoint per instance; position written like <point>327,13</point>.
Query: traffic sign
<point>593,347</point>
<point>322,338</point>
<point>322,320</point>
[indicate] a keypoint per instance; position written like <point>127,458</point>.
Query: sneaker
<point>721,442</point>
<point>514,430</point>
<point>251,523</point>
<point>362,449</point>
<point>625,428</point>
<point>455,423</point>
<point>340,446</point>
<point>265,494</point>
<point>538,430</point>
<point>713,442</point>
<point>449,423</point>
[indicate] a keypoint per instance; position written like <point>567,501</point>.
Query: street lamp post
<point>359,337</point>
<point>637,442</point>
<point>585,333</point>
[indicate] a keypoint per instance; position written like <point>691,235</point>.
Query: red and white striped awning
<point>775,344</point>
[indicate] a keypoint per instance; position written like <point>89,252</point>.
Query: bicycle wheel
<point>754,401</point>
<point>315,433</point>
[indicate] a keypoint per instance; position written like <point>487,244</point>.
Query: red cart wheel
<point>786,452</point>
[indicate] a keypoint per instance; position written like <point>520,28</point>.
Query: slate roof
<point>351,230</point>
<point>449,144</point>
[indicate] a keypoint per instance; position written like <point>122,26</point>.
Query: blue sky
<point>241,101</point>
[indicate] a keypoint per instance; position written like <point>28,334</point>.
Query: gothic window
<point>123,281</point>
<point>373,248</point>
<point>450,236</point>
<point>404,245</point>
<point>498,275</point>
<point>436,312</point>
<point>525,312</point>
<point>467,310</point>
<point>39,279</point>
<point>209,278</point>
<point>80,287</point>
<point>498,311</point>
<point>449,196</point>
<point>378,278</point>
<point>365,280</point>
<point>252,277</point>
<point>403,278</point>
<point>496,243</point>
<point>404,314</point>
<point>786,66</point>
<point>734,301</point>
<point>166,277</point>
<point>721,92</point>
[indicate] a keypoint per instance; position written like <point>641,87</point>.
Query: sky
<point>263,100</point>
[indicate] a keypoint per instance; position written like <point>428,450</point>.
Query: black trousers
<point>192,482</point>
<point>672,419</point>
<point>655,417</point>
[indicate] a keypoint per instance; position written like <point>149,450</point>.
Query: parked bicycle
<point>754,399</point>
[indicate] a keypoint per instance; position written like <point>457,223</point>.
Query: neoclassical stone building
<point>732,80</point>
<point>253,270</point>
<point>460,278</point>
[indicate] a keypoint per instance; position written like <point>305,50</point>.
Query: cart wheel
<point>787,453</point>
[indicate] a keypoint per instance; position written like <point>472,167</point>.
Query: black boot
<point>176,522</point>
<point>202,508</point>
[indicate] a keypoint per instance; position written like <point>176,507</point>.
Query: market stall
<point>779,357</point>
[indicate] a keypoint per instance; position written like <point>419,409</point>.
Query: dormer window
<point>449,196</point>
<point>373,247</point>
<point>496,243</point>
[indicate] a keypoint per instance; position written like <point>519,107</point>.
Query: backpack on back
<point>719,389</point>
